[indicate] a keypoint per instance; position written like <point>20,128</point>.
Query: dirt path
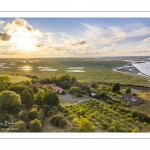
<point>79,100</point>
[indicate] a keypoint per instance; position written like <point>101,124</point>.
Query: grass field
<point>16,79</point>
<point>95,70</point>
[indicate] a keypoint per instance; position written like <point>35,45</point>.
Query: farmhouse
<point>132,99</point>
<point>52,86</point>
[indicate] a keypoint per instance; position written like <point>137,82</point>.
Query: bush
<point>35,125</point>
<point>105,125</point>
<point>23,116</point>
<point>58,120</point>
<point>62,123</point>
<point>85,125</point>
<point>21,126</point>
<point>145,124</point>
<point>53,111</point>
<point>33,113</point>
<point>111,128</point>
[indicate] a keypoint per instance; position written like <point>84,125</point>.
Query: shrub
<point>62,122</point>
<point>75,120</point>
<point>35,125</point>
<point>33,113</point>
<point>105,125</point>
<point>111,128</point>
<point>23,116</point>
<point>58,120</point>
<point>21,126</point>
<point>85,125</point>
<point>135,130</point>
<point>145,124</point>
<point>53,111</point>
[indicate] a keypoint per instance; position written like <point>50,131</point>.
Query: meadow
<point>83,69</point>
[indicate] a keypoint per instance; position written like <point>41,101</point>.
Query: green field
<point>96,70</point>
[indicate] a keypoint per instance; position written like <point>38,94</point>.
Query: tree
<point>35,89</point>
<point>74,89</point>
<point>10,102</point>
<point>35,125</point>
<point>85,125</point>
<point>26,98</point>
<point>19,88</point>
<point>51,98</point>
<point>23,116</point>
<point>21,126</point>
<point>58,120</point>
<point>115,87</point>
<point>39,96</point>
<point>128,90</point>
<point>4,78</point>
<point>33,113</point>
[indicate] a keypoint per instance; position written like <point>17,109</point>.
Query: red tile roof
<point>52,86</point>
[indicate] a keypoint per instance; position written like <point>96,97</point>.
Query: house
<point>134,100</point>
<point>52,86</point>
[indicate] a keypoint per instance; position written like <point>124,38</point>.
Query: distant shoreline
<point>126,70</point>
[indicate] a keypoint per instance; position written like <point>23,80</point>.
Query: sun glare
<point>24,41</point>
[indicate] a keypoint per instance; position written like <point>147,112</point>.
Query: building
<point>52,86</point>
<point>134,100</point>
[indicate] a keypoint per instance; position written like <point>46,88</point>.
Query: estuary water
<point>143,67</point>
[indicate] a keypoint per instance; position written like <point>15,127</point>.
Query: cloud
<point>120,36</point>
<point>78,43</point>
<point>2,22</point>
<point>19,23</point>
<point>147,40</point>
<point>104,40</point>
<point>5,36</point>
<point>39,45</point>
<point>114,44</point>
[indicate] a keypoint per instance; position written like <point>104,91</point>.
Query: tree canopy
<point>10,102</point>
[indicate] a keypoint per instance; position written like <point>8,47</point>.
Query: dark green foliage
<point>21,126</point>
<point>115,87</point>
<point>46,108</point>
<point>51,98</point>
<point>4,78</point>
<point>19,88</point>
<point>35,125</point>
<point>33,113</point>
<point>26,98</point>
<point>128,90</point>
<point>105,125</point>
<point>10,102</point>
<point>35,89</point>
<point>75,89</point>
<point>111,128</point>
<point>39,97</point>
<point>23,116</point>
<point>53,111</point>
<point>58,120</point>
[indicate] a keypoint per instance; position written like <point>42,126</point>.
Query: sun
<point>24,41</point>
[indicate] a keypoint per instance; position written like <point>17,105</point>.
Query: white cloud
<point>114,44</point>
<point>2,22</point>
<point>147,39</point>
<point>23,35</point>
<point>104,40</point>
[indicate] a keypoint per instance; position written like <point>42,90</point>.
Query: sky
<point>74,37</point>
